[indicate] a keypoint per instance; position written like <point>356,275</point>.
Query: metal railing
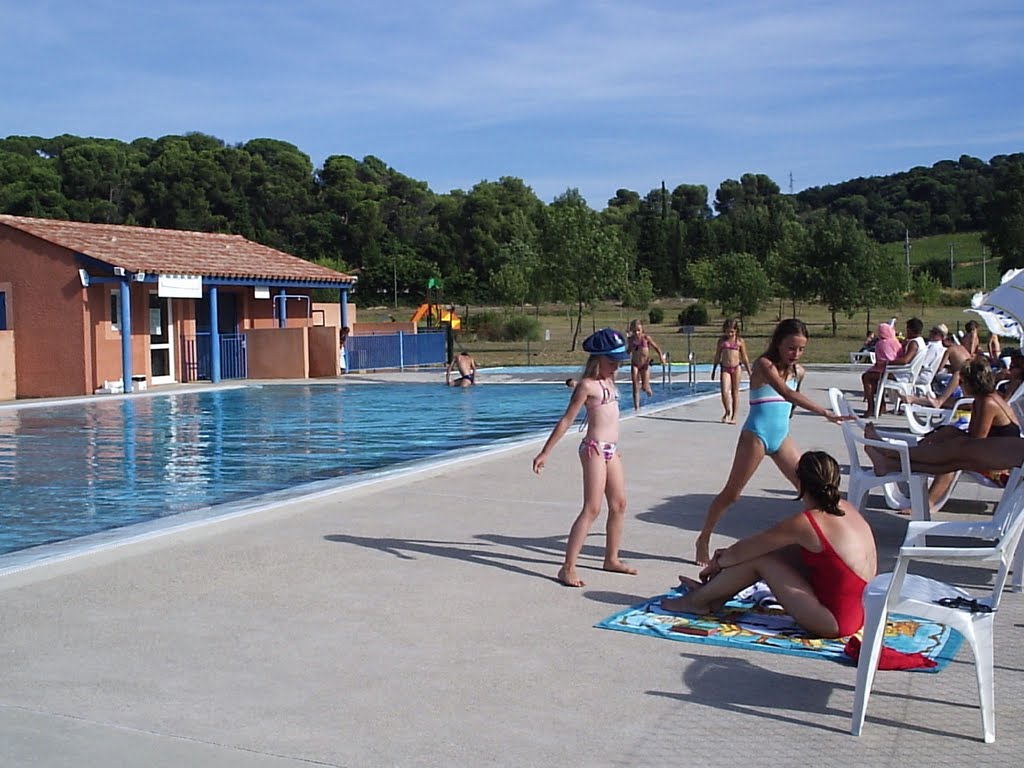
<point>195,357</point>
<point>399,350</point>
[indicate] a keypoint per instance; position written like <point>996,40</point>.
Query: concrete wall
<point>8,367</point>
<point>324,345</point>
<point>279,353</point>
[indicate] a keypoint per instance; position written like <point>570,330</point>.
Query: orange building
<point>102,307</point>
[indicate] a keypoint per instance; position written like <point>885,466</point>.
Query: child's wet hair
<point>818,474</point>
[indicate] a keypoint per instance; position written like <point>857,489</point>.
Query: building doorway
<point>161,340</point>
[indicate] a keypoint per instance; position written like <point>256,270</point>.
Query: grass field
<point>557,350</point>
<point>973,266</point>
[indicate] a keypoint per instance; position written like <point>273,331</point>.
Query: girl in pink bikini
<point>603,474</point>
<point>731,354</point>
<point>639,343</point>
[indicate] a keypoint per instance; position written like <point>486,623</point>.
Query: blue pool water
<point>69,470</point>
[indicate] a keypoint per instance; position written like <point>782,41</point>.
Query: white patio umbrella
<point>1002,309</point>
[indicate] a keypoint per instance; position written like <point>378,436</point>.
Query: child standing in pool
<point>603,474</point>
<point>773,392</point>
<point>731,354</point>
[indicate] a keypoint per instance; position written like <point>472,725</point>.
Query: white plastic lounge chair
<point>900,379</point>
<point>863,478</point>
<point>973,617</point>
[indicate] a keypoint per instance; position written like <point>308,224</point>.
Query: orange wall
<point>278,353</point>
<point>323,351</point>
<point>47,315</point>
<point>326,313</point>
<point>8,382</point>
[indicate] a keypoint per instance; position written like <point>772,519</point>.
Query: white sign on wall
<point>180,286</point>
<point>261,292</point>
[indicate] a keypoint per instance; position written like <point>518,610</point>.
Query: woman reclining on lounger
<point>820,581</point>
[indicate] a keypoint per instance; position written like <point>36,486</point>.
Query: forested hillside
<point>498,242</point>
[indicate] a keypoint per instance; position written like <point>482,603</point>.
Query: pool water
<point>69,470</point>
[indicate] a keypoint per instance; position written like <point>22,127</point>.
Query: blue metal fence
<point>399,350</point>
<point>196,357</point>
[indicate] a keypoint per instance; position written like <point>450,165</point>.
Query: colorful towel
<point>746,624</point>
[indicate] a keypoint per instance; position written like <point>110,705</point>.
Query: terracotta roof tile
<point>175,252</point>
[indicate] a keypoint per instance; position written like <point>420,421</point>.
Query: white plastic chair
<point>899,379</point>
<point>922,419</point>
<point>862,356</point>
<point>863,479</point>
<point>900,592</point>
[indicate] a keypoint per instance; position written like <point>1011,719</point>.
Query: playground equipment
<point>437,315</point>
<point>435,311</point>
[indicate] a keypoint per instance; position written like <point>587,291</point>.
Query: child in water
<point>603,474</point>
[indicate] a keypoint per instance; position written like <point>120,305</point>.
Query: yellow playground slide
<point>437,315</point>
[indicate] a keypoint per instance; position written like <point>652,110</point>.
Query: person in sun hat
<point>603,474</point>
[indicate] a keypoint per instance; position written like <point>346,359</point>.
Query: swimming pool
<point>75,469</point>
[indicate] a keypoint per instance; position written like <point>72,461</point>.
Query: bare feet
<point>687,603</point>
<point>703,556</point>
<point>690,584</point>
<point>732,420</point>
<point>568,577</point>
<point>879,461</point>
<point>617,566</point>
<point>725,419</point>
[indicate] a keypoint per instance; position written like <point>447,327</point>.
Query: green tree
<point>1005,233</point>
<point>927,290</point>
<point>842,260</point>
<point>583,257</point>
<point>735,281</point>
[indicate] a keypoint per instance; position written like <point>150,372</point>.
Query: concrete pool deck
<point>416,622</point>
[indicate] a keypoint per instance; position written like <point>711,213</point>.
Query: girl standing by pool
<point>638,343</point>
<point>602,466</point>
<point>773,381</point>
<point>731,354</point>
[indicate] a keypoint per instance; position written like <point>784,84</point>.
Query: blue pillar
<point>282,309</point>
<point>214,336</point>
<point>125,320</point>
<point>344,308</point>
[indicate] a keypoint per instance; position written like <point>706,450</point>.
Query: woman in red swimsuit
<point>820,582</point>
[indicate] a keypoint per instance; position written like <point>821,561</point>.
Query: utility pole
<point>984,271</point>
<point>791,182</point>
<point>906,251</point>
<point>396,281</point>
<point>952,275</point>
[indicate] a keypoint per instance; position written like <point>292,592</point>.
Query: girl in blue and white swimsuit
<point>773,392</point>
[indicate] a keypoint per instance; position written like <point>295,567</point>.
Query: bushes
<point>656,315</point>
<point>695,314</point>
<point>491,326</point>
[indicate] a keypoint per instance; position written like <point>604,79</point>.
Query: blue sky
<point>560,93</point>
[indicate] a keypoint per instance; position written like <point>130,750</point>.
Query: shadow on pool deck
<point>417,622</point>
